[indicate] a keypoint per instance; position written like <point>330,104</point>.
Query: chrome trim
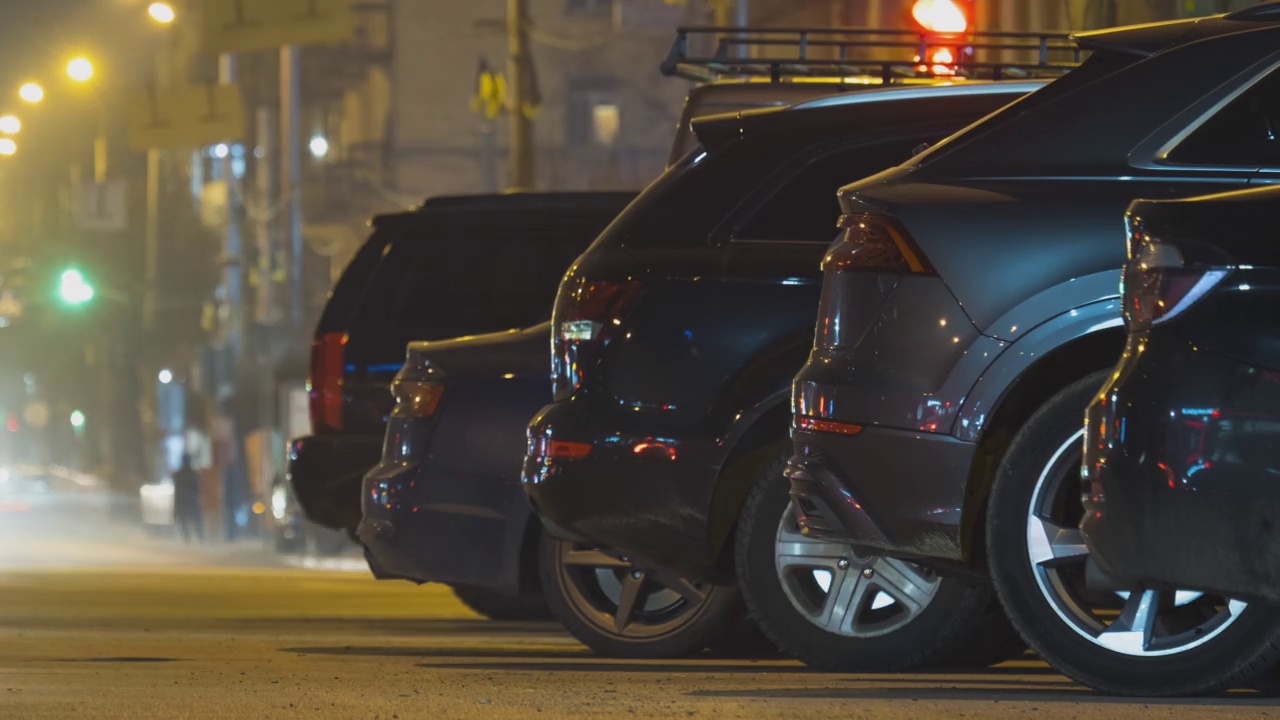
<point>886,94</point>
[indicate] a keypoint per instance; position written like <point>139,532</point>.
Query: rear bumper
<point>1183,458</point>
<point>425,524</point>
<point>894,492</point>
<point>325,473</point>
<point>651,503</point>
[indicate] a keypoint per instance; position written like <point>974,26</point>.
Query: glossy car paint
<point>326,469</point>
<point>1021,225</point>
<point>1183,443</point>
<point>444,504</point>
<point>699,374</point>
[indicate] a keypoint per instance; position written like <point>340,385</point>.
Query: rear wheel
<point>1142,642</point>
<point>840,610</point>
<point>621,610</point>
<point>500,606</point>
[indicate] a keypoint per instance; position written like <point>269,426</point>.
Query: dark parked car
<point>969,307</point>
<point>1182,446</point>
<point>445,504</point>
<point>456,266</point>
<point>675,338</point>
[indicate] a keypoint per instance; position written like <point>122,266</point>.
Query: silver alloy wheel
<point>613,594</point>
<point>1150,623</point>
<point>844,593</point>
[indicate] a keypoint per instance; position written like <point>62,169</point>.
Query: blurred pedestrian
<point>187,513</point>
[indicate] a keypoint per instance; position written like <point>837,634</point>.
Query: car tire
<point>585,589</point>
<point>1073,627</point>
<point>500,606</point>
<point>943,625</point>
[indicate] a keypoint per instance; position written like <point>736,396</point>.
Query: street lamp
<point>8,147</point>
<point>72,287</point>
<point>319,147</point>
<point>31,92</point>
<point>10,125</point>
<point>77,419</point>
<point>80,69</point>
<point>162,12</point>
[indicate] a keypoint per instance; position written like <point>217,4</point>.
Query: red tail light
<point>813,424</point>
<point>874,243</point>
<point>1158,283</point>
<point>544,447</point>
<point>325,384</point>
<point>587,317</point>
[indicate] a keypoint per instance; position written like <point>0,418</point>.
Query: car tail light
<point>587,317</point>
<point>415,398</point>
<point>874,243</point>
<point>813,424</point>
<point>545,447</point>
<point>1159,284</point>
<point>324,386</point>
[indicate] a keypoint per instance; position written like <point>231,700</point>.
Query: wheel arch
<point>1059,366</point>
<point>768,426</point>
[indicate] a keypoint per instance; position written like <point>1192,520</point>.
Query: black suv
<point>1180,444</point>
<point>971,309</point>
<point>456,266</point>
<point>675,339</point>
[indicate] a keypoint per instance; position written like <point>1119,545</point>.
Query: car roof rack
<point>784,53</point>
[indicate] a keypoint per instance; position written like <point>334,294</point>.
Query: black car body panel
<point>1019,220</point>
<point>1183,443</point>
<point>444,504</point>
<point>725,251</point>
<point>457,266</point>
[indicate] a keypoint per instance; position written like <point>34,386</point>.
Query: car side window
<point>1245,133</point>
<point>805,207</point>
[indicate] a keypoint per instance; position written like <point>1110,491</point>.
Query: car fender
<point>996,379</point>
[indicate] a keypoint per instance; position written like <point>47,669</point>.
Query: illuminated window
<point>594,112</point>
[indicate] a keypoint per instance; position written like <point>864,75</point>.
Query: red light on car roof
<point>940,16</point>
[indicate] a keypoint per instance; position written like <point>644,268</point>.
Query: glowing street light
<point>10,124</point>
<point>940,16</point>
<point>80,69</point>
<point>166,376</point>
<point>162,12</point>
<point>8,147</point>
<point>31,92</point>
<point>77,419</point>
<point>72,287</point>
<point>319,147</point>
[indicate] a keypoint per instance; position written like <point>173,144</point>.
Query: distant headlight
<point>279,502</point>
<point>156,490</point>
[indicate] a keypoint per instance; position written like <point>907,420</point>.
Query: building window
<point>594,113</point>
<point>588,7</point>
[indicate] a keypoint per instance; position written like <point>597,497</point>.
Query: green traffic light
<point>74,289</point>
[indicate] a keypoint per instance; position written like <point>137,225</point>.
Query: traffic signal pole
<point>519,70</point>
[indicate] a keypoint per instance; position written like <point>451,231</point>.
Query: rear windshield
<point>1099,65</point>
<point>455,276</point>
<point>345,297</point>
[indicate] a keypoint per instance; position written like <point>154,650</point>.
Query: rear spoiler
<point>1146,40</point>
<point>884,55</point>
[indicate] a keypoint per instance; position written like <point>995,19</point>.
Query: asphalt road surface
<point>167,634</point>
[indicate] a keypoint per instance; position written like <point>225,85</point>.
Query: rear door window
<point>1245,133</point>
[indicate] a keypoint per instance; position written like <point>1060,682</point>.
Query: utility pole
<point>266,311</point>
<point>291,176</point>
<point>519,69</point>
<point>233,282</point>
